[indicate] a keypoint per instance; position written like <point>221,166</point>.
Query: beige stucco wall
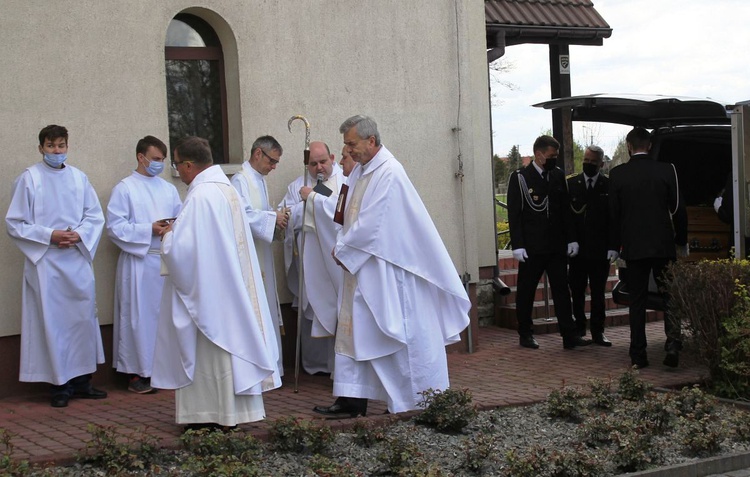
<point>97,67</point>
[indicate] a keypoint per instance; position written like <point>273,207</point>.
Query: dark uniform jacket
<point>534,226</point>
<point>643,195</point>
<point>590,212</point>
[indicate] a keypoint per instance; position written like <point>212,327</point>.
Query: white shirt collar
<point>538,169</point>
<point>593,179</point>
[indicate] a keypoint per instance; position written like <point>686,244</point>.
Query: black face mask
<point>590,169</point>
<point>550,164</point>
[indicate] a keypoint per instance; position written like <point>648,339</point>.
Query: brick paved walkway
<point>499,373</point>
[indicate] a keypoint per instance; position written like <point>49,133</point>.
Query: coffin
<point>708,237</point>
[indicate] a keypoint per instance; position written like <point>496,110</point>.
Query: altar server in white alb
<point>265,222</point>
<point>139,210</point>
<point>56,220</point>
<point>402,300</point>
<point>322,276</point>
<point>215,344</point>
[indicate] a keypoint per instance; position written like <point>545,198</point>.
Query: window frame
<point>206,53</point>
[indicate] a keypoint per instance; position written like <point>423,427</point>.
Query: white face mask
<point>55,160</point>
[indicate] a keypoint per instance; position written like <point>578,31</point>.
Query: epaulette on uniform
<point>570,176</point>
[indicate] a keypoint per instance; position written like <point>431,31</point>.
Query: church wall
<point>97,67</point>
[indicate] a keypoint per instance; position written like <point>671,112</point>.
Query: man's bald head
<point>321,160</point>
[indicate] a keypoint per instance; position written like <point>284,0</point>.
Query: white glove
<point>612,255</point>
<point>572,249</point>
<point>683,251</point>
<point>520,254</point>
<point>717,204</point>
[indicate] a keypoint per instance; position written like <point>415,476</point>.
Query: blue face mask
<point>55,160</point>
<point>154,168</point>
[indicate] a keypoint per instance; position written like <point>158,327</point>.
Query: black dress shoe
<point>206,426</point>
<point>90,393</point>
<point>600,339</point>
<point>575,342</point>
<point>60,400</point>
<point>352,407</point>
<point>528,341</point>
<point>639,363</point>
<point>672,359</point>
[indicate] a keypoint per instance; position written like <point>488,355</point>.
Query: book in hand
<point>322,189</point>
<point>338,216</point>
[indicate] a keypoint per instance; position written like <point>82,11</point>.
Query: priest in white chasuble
<point>215,342</point>
<point>322,275</point>
<point>265,222</point>
<point>402,300</point>
<point>139,210</point>
<point>56,220</point>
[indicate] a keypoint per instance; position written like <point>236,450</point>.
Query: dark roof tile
<point>557,13</point>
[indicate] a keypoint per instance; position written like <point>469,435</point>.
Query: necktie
<point>591,184</point>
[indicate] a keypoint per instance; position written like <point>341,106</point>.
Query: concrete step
<point>505,306</point>
<point>539,295</point>
<point>613,317</point>
<point>507,312</point>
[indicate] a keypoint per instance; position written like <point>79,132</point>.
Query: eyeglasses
<point>270,159</point>
<point>175,164</point>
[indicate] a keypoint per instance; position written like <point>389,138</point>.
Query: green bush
<point>564,403</point>
<point>447,411</point>
<point>477,451</point>
<point>596,430</point>
<point>631,387</point>
<point>502,238</point>
<point>532,463</point>
<point>740,425</point>
<point>578,461</point>
<point>656,412</point>
<point>711,301</point>
<point>206,442</point>
<point>118,453</point>
<point>702,436</point>
<point>292,434</point>
<point>694,402</point>
<point>323,466</point>
<point>733,377</point>
<point>635,449</point>
<point>367,434</point>
<point>601,393</point>
<point>403,459</point>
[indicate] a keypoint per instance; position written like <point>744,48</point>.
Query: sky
<point>697,48</point>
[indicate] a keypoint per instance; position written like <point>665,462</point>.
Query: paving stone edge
<point>700,468</point>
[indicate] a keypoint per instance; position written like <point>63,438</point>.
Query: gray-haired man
<point>589,203</point>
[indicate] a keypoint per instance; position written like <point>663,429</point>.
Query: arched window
<point>196,90</point>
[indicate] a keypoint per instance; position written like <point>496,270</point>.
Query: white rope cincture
<point>543,205</point>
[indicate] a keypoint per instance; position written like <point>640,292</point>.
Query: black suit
<point>539,221</point>
<point>648,219</point>
<point>590,212</point>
